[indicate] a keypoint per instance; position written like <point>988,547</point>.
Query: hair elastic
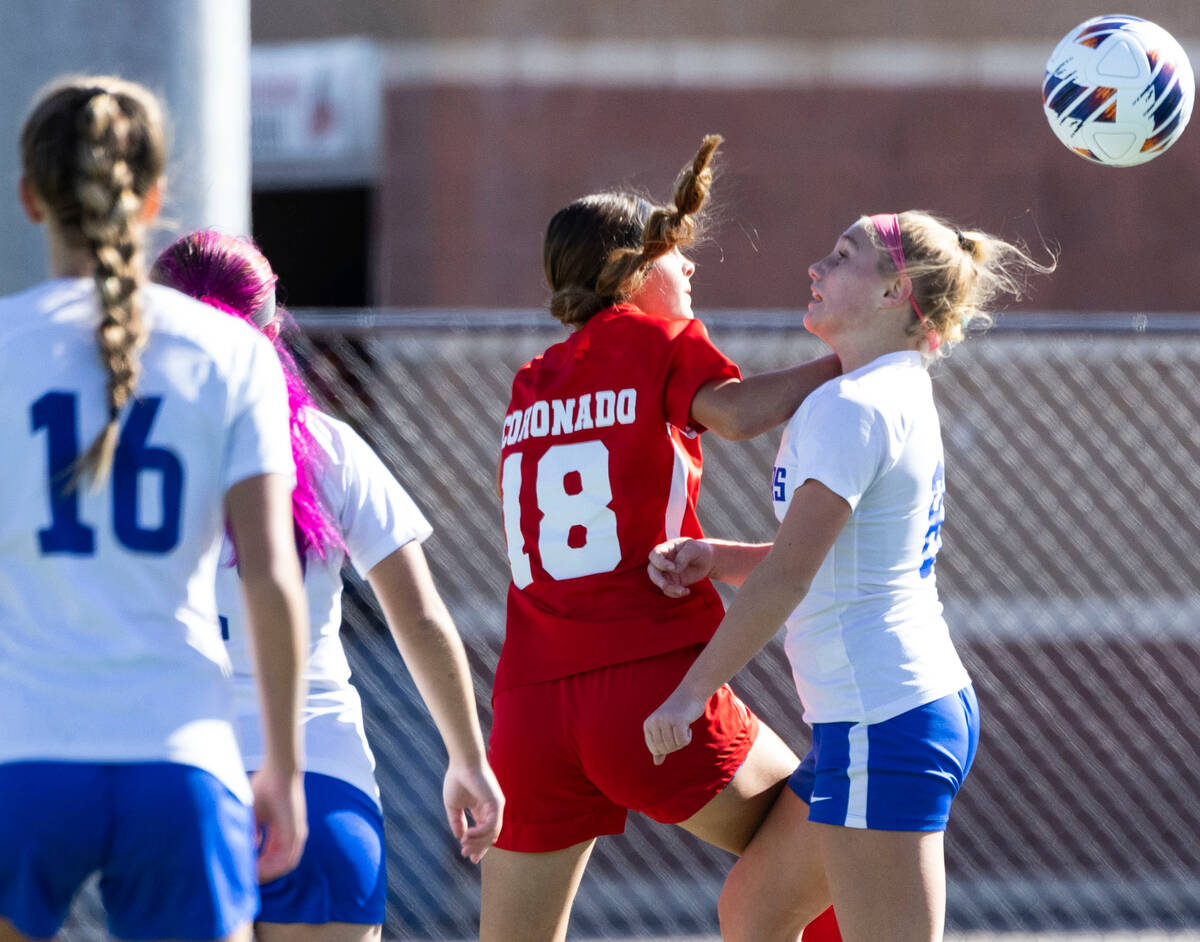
<point>260,318</point>
<point>888,227</point>
<point>266,311</point>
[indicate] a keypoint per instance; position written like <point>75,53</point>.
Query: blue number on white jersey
<point>778,482</point>
<point>57,413</point>
<point>133,459</point>
<point>937,513</point>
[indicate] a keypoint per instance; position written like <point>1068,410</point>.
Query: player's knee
<point>747,915</point>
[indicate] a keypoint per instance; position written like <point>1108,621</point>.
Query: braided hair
<point>92,149</point>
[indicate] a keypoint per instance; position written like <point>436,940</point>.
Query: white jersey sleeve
<point>852,444</point>
<point>259,439</point>
<point>376,514</point>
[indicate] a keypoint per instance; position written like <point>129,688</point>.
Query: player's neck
<point>859,351</point>
<point>65,260</point>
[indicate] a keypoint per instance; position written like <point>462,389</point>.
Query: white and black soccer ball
<point>1118,90</point>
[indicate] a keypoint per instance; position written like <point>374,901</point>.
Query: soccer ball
<point>1118,90</point>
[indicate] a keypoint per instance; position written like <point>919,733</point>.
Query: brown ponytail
<point>599,249</point>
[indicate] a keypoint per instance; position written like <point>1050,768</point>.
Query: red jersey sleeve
<point>694,362</point>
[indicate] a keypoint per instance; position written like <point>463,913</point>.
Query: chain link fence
<point>1069,570</point>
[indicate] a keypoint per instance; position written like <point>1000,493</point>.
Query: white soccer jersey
<point>109,643</point>
<point>868,641</point>
<point>376,517</point>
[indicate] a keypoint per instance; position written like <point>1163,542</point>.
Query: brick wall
<point>1037,20</point>
<point>473,173</point>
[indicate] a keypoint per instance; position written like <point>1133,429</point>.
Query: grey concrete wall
<point>193,53</point>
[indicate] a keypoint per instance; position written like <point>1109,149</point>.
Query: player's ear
<point>29,201</point>
<point>152,203</point>
<point>896,291</point>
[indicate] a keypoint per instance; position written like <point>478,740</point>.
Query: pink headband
<point>888,227</point>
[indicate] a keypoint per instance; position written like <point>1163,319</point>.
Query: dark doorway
<point>318,242</point>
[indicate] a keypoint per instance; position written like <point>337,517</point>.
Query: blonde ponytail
<point>958,275</point>
<point>92,150</point>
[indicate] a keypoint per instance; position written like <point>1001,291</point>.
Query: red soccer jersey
<point>598,464</point>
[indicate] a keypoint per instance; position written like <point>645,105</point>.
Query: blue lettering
<point>937,514</point>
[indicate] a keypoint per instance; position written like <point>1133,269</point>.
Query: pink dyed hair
<point>232,275</point>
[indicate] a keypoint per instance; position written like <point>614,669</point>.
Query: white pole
<point>195,54</point>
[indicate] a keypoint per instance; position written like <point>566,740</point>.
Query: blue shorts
<point>342,876</point>
<point>898,775</point>
<point>174,847</point>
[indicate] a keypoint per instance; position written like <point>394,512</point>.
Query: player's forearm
<point>740,410</point>
<point>759,609</point>
<point>431,647</point>
<point>277,620</point>
<point>733,562</point>
<point>435,656</point>
<point>260,516</point>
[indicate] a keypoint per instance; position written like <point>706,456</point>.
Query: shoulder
<point>891,375</point>
<point>887,388</point>
<point>62,303</point>
<point>44,296</point>
<point>173,322</point>
<point>335,438</point>
<point>628,319</point>
<point>171,314</point>
<point>341,447</point>
<point>874,410</point>
<point>374,511</point>
<point>618,327</point>
<point>672,343</point>
<point>187,327</point>
<point>840,400</point>
<point>840,415</point>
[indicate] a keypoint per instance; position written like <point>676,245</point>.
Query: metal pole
<point>195,54</point>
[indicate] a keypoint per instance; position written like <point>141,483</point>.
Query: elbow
<point>735,428</point>
<point>799,588</point>
<point>738,433</point>
<point>794,587</point>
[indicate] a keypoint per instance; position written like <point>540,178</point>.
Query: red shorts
<point>572,760</point>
